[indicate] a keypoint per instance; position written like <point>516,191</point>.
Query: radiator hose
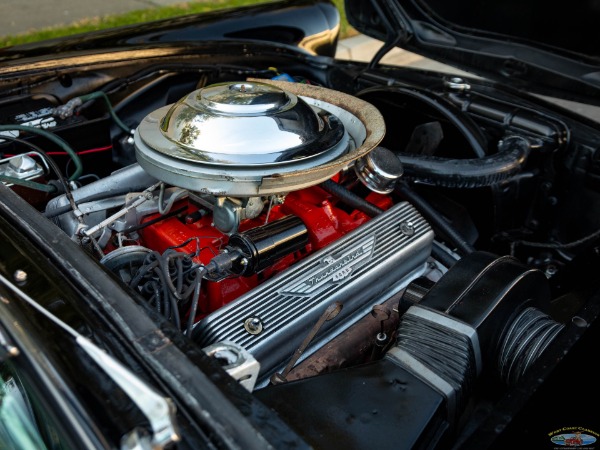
<point>469,173</point>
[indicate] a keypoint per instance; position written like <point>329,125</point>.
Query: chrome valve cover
<point>363,268</point>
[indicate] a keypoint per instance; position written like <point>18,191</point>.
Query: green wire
<point>111,111</point>
<point>29,184</point>
<point>61,143</point>
<point>54,138</point>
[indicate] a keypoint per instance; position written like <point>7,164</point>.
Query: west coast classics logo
<point>574,437</point>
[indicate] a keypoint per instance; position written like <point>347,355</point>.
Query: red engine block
<point>325,220</point>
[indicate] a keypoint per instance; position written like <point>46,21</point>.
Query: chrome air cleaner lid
<point>249,124</point>
<point>248,138</point>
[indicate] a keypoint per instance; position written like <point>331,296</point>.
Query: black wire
<point>179,273</point>
<point>146,268</point>
<point>164,277</point>
<point>166,259</point>
<point>63,180</point>
<point>156,297</point>
<point>186,242</point>
<point>56,139</point>
<point>166,295</point>
<point>568,245</point>
<point>153,221</point>
<point>350,198</point>
<point>190,290</point>
<point>29,86</point>
<point>47,158</point>
<point>442,255</point>
<point>438,223</point>
<point>178,68</point>
<point>195,299</point>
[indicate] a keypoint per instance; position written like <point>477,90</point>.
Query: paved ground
<point>362,48</point>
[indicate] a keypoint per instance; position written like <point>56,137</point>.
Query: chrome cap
<point>379,170</point>
<point>242,99</point>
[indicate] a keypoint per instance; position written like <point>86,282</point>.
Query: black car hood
<point>311,25</point>
<point>544,47</point>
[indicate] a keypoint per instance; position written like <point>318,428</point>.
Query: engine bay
<point>312,229</point>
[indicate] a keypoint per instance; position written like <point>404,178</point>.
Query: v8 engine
<point>267,223</point>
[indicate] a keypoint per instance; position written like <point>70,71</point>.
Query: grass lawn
<point>145,15</point>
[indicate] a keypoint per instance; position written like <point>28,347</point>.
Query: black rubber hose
<point>449,112</point>
<point>350,198</point>
<point>439,224</point>
<point>194,308</point>
<point>469,173</point>
<point>442,255</point>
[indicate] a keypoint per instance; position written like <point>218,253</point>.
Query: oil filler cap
<point>379,170</point>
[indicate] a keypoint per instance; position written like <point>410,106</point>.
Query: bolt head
<point>277,378</point>
<point>407,228</point>
<point>457,84</point>
<point>253,325</point>
<point>20,276</point>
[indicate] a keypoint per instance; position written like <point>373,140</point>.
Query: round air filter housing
<point>252,138</point>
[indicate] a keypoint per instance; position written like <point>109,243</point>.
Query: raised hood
<point>543,46</point>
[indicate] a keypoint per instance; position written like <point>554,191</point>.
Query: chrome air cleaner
<point>256,138</point>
